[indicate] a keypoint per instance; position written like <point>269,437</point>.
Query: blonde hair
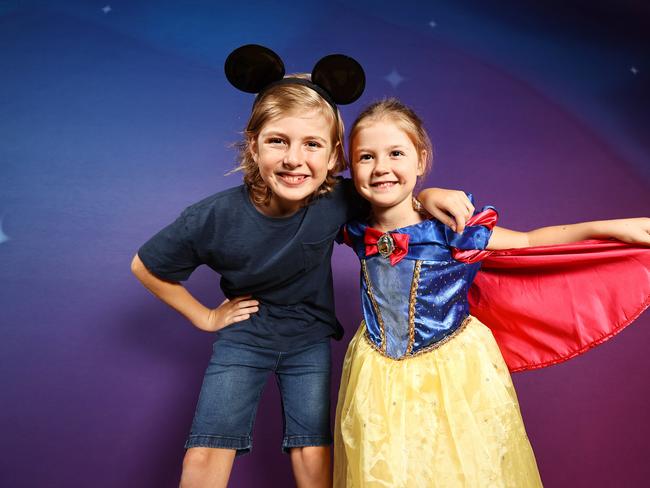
<point>405,118</point>
<point>280,101</point>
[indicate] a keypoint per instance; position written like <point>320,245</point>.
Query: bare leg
<point>312,466</point>
<point>206,467</point>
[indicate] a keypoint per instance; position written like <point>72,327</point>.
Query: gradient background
<point>115,117</point>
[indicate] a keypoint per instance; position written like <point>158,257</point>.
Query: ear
<point>334,156</point>
<point>253,149</point>
<point>422,162</point>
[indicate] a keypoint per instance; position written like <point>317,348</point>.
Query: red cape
<point>548,304</point>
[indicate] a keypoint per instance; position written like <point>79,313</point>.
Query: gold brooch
<point>385,245</point>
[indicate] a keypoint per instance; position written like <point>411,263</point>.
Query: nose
<point>292,158</point>
<point>381,167</point>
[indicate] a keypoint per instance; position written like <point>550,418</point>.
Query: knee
<point>206,467</point>
<point>196,460</point>
<point>314,460</point>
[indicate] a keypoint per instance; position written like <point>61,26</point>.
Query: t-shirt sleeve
<point>342,237</point>
<point>171,254</point>
<point>357,206</point>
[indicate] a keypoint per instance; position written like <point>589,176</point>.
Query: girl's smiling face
<point>385,164</point>
<point>294,154</point>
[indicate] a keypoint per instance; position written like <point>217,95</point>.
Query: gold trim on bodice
<point>412,298</point>
<point>430,347</point>
<point>411,318</point>
<point>366,277</point>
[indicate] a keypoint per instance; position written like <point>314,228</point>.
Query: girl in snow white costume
<point>426,399</point>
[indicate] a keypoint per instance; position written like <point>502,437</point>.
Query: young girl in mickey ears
<point>270,239</point>
<point>425,398</point>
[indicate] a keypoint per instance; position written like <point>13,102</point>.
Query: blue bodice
<point>413,305</point>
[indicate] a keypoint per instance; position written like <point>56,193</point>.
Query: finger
<point>240,318</point>
<point>458,208</point>
<point>465,199</point>
<point>444,218</point>
<point>235,318</point>
<point>247,303</point>
<point>464,205</point>
<point>460,224</point>
<point>459,214</point>
<point>243,297</point>
<point>247,310</point>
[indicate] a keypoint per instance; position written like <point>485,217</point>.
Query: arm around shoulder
<point>451,207</point>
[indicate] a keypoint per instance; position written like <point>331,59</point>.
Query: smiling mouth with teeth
<point>384,184</point>
<point>292,179</point>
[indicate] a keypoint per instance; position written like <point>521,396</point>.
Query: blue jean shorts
<point>232,386</point>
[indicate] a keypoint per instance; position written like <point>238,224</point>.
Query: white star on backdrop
<point>633,70</point>
<point>107,9</point>
<point>432,23</point>
<point>394,78</point>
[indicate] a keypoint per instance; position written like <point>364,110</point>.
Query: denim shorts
<point>232,386</point>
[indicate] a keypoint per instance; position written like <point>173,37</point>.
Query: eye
<point>396,153</point>
<point>365,157</point>
<point>275,140</point>
<point>313,144</point>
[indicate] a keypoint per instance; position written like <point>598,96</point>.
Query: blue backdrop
<point>114,117</point>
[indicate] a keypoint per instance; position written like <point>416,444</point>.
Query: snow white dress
<point>426,398</point>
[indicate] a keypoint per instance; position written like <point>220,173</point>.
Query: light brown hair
<point>280,101</point>
<point>405,118</point>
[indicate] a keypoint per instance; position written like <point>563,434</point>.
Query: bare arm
<point>632,231</point>
<point>451,207</point>
<point>176,296</point>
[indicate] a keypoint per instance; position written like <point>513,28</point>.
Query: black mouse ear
<point>251,67</point>
<point>341,76</point>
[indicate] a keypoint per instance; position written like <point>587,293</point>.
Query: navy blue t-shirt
<point>283,262</point>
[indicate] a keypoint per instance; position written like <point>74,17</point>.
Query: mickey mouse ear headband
<point>339,79</point>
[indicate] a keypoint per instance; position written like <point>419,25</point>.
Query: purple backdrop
<point>114,117</point>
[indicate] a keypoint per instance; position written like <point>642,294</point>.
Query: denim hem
<point>241,444</point>
<point>304,441</point>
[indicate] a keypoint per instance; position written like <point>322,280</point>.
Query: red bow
<point>396,245</point>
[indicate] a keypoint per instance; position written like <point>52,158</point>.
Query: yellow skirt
<point>446,418</point>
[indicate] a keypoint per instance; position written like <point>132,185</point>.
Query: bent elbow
<point>136,265</point>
